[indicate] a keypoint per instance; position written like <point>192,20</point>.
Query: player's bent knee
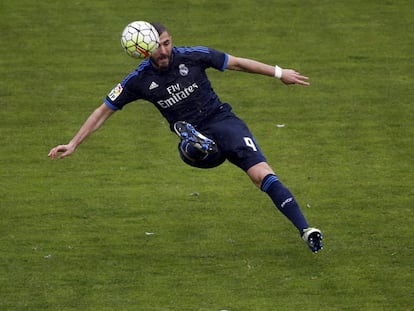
<point>208,161</point>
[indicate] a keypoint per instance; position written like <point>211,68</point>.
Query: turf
<point>123,224</point>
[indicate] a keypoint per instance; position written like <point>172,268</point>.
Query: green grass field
<point>123,224</point>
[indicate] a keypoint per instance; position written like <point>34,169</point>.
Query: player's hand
<point>290,76</point>
<point>64,150</point>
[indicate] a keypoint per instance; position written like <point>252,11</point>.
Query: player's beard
<point>162,62</point>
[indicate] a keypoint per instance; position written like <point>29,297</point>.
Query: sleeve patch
<point>116,91</point>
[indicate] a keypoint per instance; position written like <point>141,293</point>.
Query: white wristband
<point>278,72</point>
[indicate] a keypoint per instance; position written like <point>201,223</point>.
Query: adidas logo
<point>153,85</point>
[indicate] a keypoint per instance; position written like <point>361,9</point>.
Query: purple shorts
<point>234,140</point>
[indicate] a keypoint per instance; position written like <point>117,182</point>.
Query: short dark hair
<point>160,28</point>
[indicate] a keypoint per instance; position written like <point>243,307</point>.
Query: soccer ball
<point>140,39</point>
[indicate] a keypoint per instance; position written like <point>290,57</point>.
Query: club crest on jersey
<point>183,70</point>
<point>116,91</point>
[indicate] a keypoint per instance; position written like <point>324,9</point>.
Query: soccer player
<point>174,80</point>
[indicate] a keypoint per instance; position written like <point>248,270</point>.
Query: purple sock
<point>284,201</point>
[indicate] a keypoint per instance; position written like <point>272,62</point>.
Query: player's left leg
<point>241,149</point>
<point>263,177</point>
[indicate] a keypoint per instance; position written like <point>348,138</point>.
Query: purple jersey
<point>183,92</point>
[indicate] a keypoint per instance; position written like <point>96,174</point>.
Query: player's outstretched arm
<point>94,122</point>
<point>287,76</point>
